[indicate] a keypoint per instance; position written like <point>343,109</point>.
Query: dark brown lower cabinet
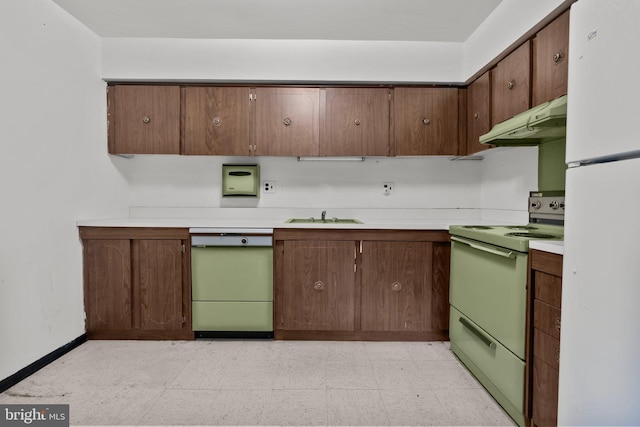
<point>137,283</point>
<point>318,285</point>
<point>361,284</point>
<point>395,278</point>
<point>544,308</point>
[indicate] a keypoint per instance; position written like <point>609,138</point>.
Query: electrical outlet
<point>387,188</point>
<point>268,187</point>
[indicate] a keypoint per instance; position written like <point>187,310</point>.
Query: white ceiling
<point>393,20</point>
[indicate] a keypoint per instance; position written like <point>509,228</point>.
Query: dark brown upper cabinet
<point>356,122</point>
<point>216,120</point>
<point>426,121</point>
<point>478,112</point>
<point>511,84</point>
<point>144,119</point>
<point>551,60</point>
<point>286,121</point>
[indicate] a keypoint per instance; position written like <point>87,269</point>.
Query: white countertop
<point>441,224</point>
<point>553,246</point>
<point>407,219</point>
<point>390,219</point>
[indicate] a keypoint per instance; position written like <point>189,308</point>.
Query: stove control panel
<point>546,207</point>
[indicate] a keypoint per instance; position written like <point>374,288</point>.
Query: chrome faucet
<point>324,214</point>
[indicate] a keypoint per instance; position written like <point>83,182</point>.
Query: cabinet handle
<point>476,116</point>
<point>287,121</point>
<point>511,84</point>
<point>426,121</point>
<point>318,286</point>
<point>217,121</point>
<point>396,287</point>
<point>146,119</point>
<point>558,324</point>
<point>357,122</point>
<point>558,57</point>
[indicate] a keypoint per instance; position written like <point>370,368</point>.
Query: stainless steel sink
<point>323,221</point>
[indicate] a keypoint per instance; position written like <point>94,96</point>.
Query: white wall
<point>498,185</point>
<point>195,181</point>
<point>322,60</point>
<point>508,175</point>
<point>53,170</point>
<point>280,60</point>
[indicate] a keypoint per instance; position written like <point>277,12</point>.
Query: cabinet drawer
<point>548,289</point>
<point>546,348</point>
<point>545,394</point>
<point>546,318</point>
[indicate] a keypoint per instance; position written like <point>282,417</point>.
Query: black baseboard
<point>41,363</point>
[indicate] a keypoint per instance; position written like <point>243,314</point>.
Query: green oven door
<point>488,285</point>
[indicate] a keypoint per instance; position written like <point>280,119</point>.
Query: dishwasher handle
<point>489,249</point>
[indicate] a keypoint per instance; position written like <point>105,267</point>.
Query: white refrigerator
<point>600,334</point>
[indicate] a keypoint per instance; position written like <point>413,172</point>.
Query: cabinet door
<point>551,60</point>
<point>319,285</point>
<point>511,85</point>
<point>426,121</point>
<point>159,276</point>
<point>356,122</point>
<point>441,269</point>
<point>108,290</point>
<point>144,119</point>
<point>396,286</point>
<point>287,121</point>
<point>478,112</point>
<point>216,121</point>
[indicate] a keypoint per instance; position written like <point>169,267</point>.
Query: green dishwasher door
<point>491,289</point>
<point>223,273</point>
<point>232,316</point>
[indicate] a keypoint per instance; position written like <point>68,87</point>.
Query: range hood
<point>540,124</point>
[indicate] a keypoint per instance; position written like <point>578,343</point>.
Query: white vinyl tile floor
<point>262,382</point>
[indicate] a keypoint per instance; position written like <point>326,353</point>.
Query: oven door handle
<point>491,250</point>
<point>486,341</point>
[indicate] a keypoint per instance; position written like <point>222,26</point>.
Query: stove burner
<point>532,235</point>
<point>478,227</point>
<point>521,227</point>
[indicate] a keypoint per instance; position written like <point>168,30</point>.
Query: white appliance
<point>600,342</point>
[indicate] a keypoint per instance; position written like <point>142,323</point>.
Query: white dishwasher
<point>232,282</point>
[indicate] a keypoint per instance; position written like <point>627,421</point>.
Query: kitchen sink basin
<point>323,221</point>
